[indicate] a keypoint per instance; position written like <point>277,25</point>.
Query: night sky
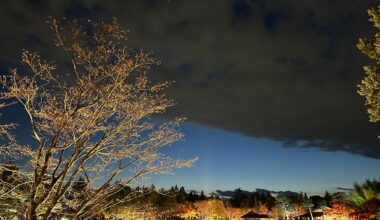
<point>268,87</point>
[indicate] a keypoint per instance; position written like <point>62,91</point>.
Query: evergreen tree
<point>181,195</point>
<point>191,197</point>
<point>328,198</point>
<point>202,196</point>
<point>270,201</point>
<point>251,201</point>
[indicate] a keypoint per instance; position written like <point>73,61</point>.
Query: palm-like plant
<point>369,191</point>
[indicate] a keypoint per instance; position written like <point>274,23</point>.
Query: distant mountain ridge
<point>230,193</point>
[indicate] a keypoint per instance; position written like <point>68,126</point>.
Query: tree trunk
<point>286,214</point>
<point>311,214</point>
<point>31,214</point>
<point>324,215</point>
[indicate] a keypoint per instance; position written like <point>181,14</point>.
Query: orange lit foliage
<point>275,212</point>
<point>299,209</point>
<point>340,209</point>
<point>369,210</point>
<point>235,213</point>
<point>364,216</point>
<point>372,205</point>
<point>262,209</point>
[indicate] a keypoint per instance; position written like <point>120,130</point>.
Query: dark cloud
<point>270,20</point>
<point>285,70</point>
<point>344,189</point>
<point>241,9</point>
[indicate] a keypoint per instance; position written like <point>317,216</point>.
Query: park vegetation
<point>361,202</point>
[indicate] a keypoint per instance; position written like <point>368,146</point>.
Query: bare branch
<point>94,123</point>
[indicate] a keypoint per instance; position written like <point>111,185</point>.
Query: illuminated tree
<point>94,122</point>
<point>275,212</point>
<point>235,213</point>
<point>212,208</point>
<point>370,85</point>
<point>188,211</point>
<point>284,204</point>
<point>262,209</point>
<point>307,203</point>
<point>13,189</point>
<point>13,183</point>
<point>299,209</point>
<point>340,209</point>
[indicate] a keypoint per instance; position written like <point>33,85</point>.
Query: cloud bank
<point>284,70</point>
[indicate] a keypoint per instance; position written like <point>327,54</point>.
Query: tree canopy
<point>370,85</point>
<point>93,124</point>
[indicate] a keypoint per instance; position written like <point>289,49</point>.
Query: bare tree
<point>96,123</point>
<point>284,204</point>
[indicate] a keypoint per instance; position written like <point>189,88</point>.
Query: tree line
<point>363,201</point>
